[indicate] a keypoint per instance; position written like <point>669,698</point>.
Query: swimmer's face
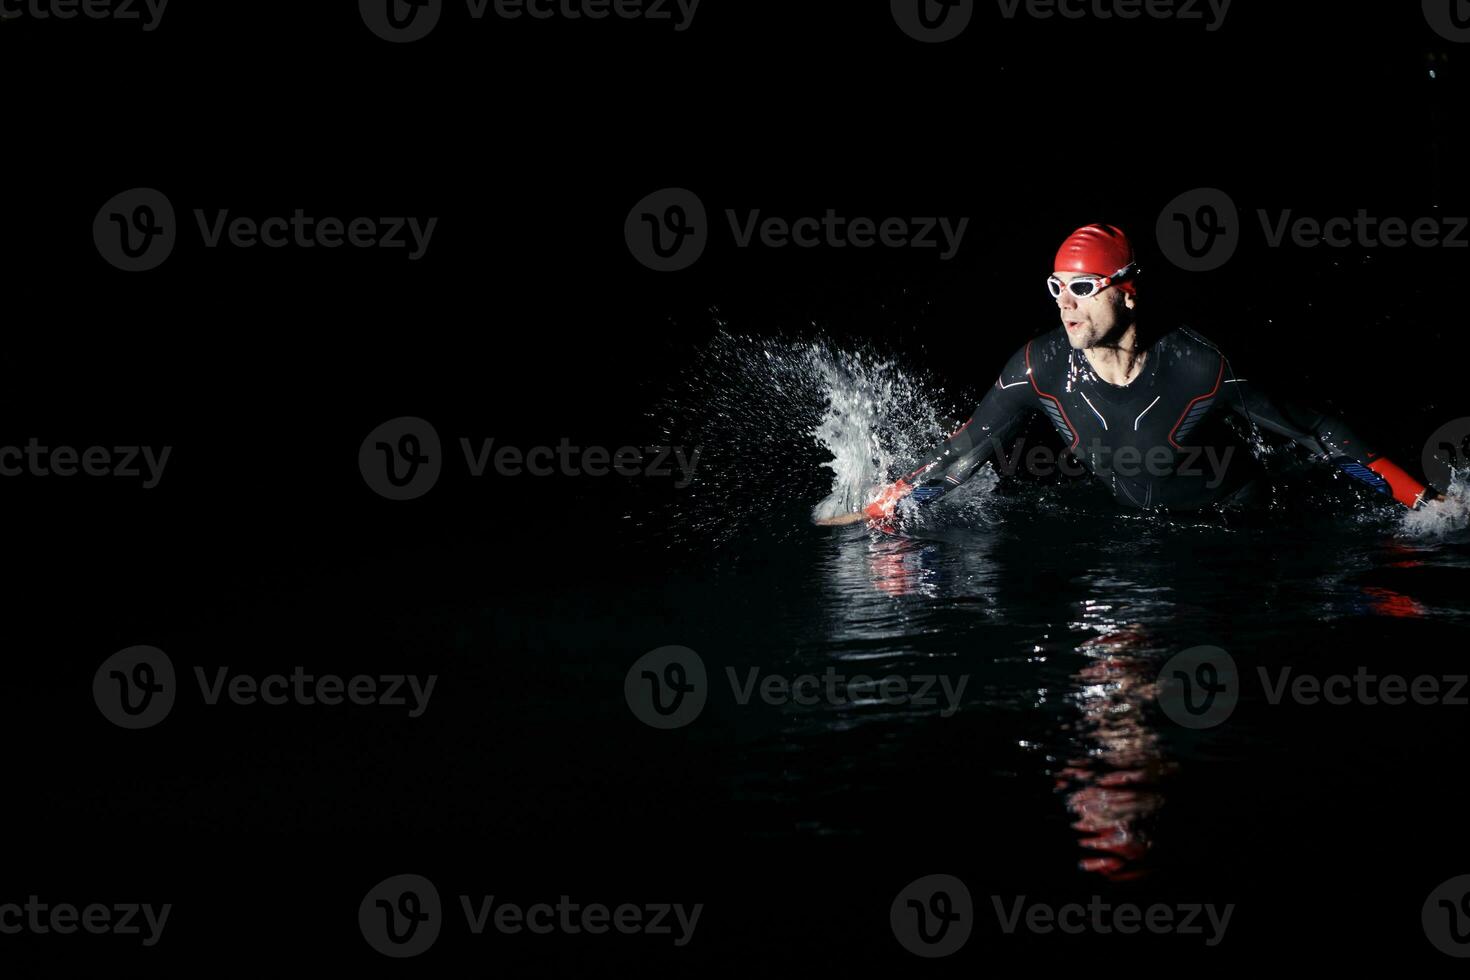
<point>1092,319</point>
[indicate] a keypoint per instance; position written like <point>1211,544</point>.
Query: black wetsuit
<point>1159,441</point>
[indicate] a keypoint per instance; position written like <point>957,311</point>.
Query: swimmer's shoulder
<point>1042,357</point>
<point>1185,352</point>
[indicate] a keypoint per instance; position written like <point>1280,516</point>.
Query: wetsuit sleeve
<point>997,417</point>
<point>1329,437</point>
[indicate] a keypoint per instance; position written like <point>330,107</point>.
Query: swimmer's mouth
<point>1072,324</point>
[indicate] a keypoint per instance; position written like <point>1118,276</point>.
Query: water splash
<point>1444,516</point>
<point>796,425</point>
<point>878,419</point>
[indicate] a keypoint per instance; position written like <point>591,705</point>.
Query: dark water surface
<point>1056,773</point>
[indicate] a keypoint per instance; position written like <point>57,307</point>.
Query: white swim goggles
<point>1085,286</point>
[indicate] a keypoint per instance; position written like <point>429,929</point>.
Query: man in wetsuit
<point>1143,414</point>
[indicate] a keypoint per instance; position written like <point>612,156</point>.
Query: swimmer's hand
<point>841,520</point>
<point>880,511</point>
<point>1429,498</point>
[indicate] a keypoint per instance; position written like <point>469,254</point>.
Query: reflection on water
<point>1111,762</point>
<point>1111,782</point>
<point>1062,633</point>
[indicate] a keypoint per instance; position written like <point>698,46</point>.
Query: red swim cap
<point>1098,250</point>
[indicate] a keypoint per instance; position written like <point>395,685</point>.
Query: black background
<point>529,320</point>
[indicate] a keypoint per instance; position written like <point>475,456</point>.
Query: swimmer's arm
<point>998,416</point>
<point>951,464</point>
<point>1329,437</point>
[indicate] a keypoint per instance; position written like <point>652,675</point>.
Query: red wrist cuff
<point>884,505</point>
<point>1406,490</point>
